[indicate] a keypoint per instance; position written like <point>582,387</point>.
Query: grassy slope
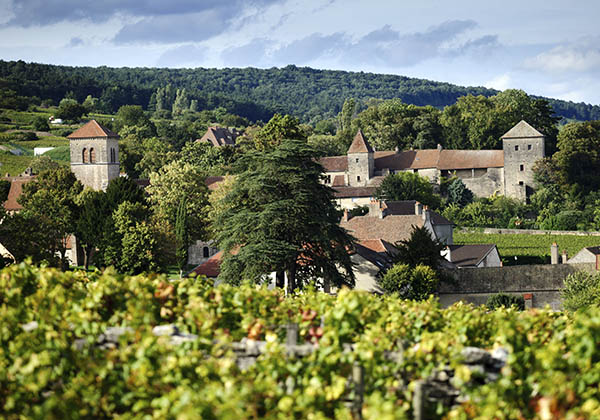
<point>528,248</point>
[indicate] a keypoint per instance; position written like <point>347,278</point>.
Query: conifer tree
<point>279,217</point>
<point>181,253</point>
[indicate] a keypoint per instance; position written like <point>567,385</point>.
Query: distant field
<point>529,249</point>
<point>13,165</point>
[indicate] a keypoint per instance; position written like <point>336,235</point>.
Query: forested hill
<point>304,92</point>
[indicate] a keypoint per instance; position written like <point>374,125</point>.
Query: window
<point>358,178</point>
<point>520,182</point>
<point>328,179</point>
<point>112,155</point>
<point>205,252</point>
<point>529,147</point>
<point>517,147</point>
<point>84,156</point>
<point>356,160</point>
<point>521,168</point>
<point>92,155</point>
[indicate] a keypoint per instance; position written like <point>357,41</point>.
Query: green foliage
<point>527,248</point>
<point>458,193</point>
<point>41,124</point>
<point>70,111</point>
<point>502,300</point>
<point>173,183</point>
<point>211,160</point>
<point>414,283</point>
<point>45,375</point>
<point>407,186</point>
<point>419,249</point>
<point>581,291</point>
<point>277,129</point>
<point>181,236</point>
<point>43,163</point>
<point>4,189</point>
<point>278,216</point>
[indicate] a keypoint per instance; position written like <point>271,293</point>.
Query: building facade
<point>509,171</point>
<point>94,155</point>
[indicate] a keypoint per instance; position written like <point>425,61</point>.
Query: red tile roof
<point>338,181</point>
<point>360,144</point>
<point>390,229</point>
<point>470,159</point>
<point>211,267</point>
<point>212,182</point>
<point>92,130</point>
<point>350,192</point>
<point>334,163</point>
<point>16,188</point>
<point>219,136</point>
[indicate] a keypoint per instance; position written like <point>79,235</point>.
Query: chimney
<point>426,215</point>
<point>554,253</point>
<point>375,208</point>
<point>418,208</point>
<point>345,217</point>
<point>565,256</point>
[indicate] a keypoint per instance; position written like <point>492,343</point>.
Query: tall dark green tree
<point>407,186</point>
<point>420,249</point>
<point>91,222</point>
<point>279,217</point>
<point>181,236</point>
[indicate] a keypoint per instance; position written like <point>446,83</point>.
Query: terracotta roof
<point>469,255</point>
<point>380,259</point>
<point>522,131</point>
<point>470,159</point>
<point>360,144</point>
<point>16,188</point>
<point>350,192</point>
<point>91,130</point>
<point>219,136</point>
<point>212,182</point>
<point>390,229</point>
<point>378,245</point>
<point>397,208</point>
<point>334,163</point>
<point>209,268</point>
<point>338,181</point>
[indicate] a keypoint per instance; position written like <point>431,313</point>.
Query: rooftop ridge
<point>360,144</point>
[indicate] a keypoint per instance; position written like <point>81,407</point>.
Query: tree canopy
<point>278,216</point>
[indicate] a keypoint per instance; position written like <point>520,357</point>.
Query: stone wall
<point>543,282</point>
<point>489,183</point>
<point>95,175</point>
<point>530,232</point>
<point>360,165</point>
<point>520,154</point>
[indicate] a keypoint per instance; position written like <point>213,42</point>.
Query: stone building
<point>94,155</point>
<point>220,136</point>
<point>356,176</point>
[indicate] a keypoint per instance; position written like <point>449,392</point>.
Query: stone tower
<point>361,163</point>
<point>523,145</point>
<point>94,155</point>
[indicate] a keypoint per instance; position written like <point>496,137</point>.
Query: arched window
<point>205,252</point>
<point>84,156</point>
<point>92,155</point>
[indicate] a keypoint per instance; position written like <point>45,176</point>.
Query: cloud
<point>173,28</point>
<point>581,56</point>
<point>183,56</point>
<point>253,54</point>
<point>26,13</point>
<point>500,82</point>
<point>75,42</point>
<point>382,47</point>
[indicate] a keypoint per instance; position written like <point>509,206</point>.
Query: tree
<point>133,115</point>
<point>407,186</point>
<point>50,197</point>
<point>43,163</point>
<point>420,249</point>
<point>173,183</point>
<point>278,128</point>
<point>41,124</point>
<point>414,283</point>
<point>502,300</point>
<point>70,110</point>
<point>209,159</point>
<point>181,236</point>
<point>581,290</point>
<point>278,217</point>
<point>458,193</point>
<point>4,190</point>
<point>91,223</point>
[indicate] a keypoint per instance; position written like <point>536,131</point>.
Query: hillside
<point>256,94</point>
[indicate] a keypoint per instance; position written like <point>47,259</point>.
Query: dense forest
<point>308,94</point>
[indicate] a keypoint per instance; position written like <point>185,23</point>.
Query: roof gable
<point>360,144</point>
<point>92,129</point>
<point>522,131</point>
<point>15,191</point>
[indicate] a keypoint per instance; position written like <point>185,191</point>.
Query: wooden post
<point>419,401</point>
<point>292,334</point>
<point>359,389</point>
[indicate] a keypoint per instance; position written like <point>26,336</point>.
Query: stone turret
<point>522,145</point>
<point>94,155</point>
<point>361,163</point>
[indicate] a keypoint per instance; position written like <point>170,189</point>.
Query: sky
<point>545,47</point>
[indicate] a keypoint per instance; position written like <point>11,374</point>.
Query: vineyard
<point>56,360</point>
<point>529,249</point>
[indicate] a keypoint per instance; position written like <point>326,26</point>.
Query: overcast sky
<point>545,47</point>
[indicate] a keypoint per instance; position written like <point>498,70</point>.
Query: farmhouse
<point>509,171</point>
